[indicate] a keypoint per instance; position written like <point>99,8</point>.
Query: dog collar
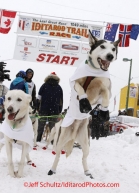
<point>90,60</point>
<point>18,120</point>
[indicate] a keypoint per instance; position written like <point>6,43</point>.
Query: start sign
<point>51,58</point>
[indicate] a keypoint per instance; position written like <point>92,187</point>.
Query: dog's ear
<point>92,39</point>
<point>117,42</point>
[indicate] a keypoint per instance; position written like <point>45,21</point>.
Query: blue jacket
<point>19,84</point>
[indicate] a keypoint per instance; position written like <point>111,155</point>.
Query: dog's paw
<point>53,152</point>
<point>44,148</point>
<point>29,162</point>
<point>51,172</point>
<point>18,175</point>
<point>84,105</point>
<point>12,175</point>
<point>33,165</point>
<point>35,147</point>
<point>63,152</point>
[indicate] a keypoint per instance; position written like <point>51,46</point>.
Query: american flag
<point>124,34</point>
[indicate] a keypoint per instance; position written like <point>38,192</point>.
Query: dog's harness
<point>90,60</point>
<point>87,82</point>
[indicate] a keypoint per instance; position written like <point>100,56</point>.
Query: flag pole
<point>114,103</point>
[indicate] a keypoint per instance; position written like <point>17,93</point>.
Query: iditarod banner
<point>47,50</point>
<point>47,27</point>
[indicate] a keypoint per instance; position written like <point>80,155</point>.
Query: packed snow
<point>113,161</point>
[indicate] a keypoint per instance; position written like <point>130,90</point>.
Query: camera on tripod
<point>3,73</point>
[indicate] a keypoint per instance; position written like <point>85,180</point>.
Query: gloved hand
<point>84,105</point>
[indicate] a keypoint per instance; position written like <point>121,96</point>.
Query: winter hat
<point>53,73</point>
<point>29,71</point>
<point>21,74</point>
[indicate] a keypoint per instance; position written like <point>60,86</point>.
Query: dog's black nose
<point>10,109</point>
<point>109,57</point>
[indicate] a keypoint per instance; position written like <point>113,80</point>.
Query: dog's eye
<point>9,98</point>
<point>19,99</point>
<point>103,47</point>
<point>113,49</point>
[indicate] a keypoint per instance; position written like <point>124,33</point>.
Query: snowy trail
<point>114,159</point>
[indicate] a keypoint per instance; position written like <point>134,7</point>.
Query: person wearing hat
<point>31,86</point>
<point>19,82</point>
<point>49,102</point>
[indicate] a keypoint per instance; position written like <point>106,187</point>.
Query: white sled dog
<point>85,95</point>
<point>17,128</point>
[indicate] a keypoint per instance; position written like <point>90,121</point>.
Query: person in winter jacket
<point>31,86</point>
<point>49,102</point>
<point>3,91</point>
<point>19,82</point>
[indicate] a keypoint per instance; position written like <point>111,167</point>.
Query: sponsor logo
<point>48,44</point>
<point>43,33</point>
<point>26,43</point>
<point>48,41</point>
<point>76,37</point>
<point>69,47</point>
<point>96,33</point>
<point>86,49</point>
<point>24,56</point>
<point>26,49</point>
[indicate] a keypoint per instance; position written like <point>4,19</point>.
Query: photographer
<point>3,88</point>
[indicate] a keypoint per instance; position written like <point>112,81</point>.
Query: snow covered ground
<point>114,159</point>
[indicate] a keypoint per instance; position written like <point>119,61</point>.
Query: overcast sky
<point>119,11</point>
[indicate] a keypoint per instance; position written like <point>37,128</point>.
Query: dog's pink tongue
<point>11,116</point>
<point>105,62</point>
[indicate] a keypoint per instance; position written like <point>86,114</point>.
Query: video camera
<point>3,72</point>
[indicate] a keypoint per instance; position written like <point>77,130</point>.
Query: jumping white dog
<point>90,85</point>
<point>17,128</point>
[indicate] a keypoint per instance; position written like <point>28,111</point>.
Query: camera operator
<point>3,88</point>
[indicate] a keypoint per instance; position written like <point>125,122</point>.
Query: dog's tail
<point>68,147</point>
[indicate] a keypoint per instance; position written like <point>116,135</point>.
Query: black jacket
<point>51,94</point>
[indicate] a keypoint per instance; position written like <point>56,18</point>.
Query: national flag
<point>134,31</point>
<point>124,34</point>
<point>110,32</point>
<point>6,20</point>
